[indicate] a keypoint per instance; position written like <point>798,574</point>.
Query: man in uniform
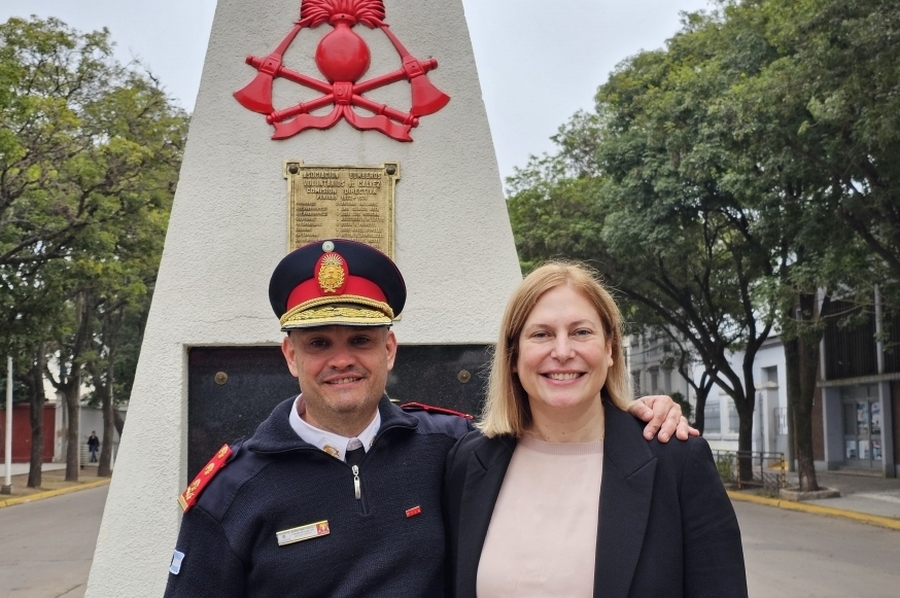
<point>338,493</point>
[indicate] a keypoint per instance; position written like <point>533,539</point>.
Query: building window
<point>770,375</point>
<point>781,427</point>
<point>636,381</point>
<point>734,422</point>
<point>713,422</point>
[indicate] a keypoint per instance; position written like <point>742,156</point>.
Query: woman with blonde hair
<point>558,493</point>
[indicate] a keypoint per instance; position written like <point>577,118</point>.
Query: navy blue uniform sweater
<point>388,543</point>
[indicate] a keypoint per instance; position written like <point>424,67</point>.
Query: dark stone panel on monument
<point>452,376</point>
<point>232,389</point>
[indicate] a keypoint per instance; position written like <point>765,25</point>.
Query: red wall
<point>21,435</point>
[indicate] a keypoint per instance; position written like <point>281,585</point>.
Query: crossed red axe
<point>426,98</point>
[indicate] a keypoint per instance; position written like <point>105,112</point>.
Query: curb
<point>791,505</point>
<point>18,500</point>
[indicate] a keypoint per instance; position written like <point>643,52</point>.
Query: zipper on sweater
<point>357,490</point>
<point>357,486</point>
<point>357,482</point>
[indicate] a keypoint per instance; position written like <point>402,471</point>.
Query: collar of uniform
<point>333,444</point>
<point>275,434</point>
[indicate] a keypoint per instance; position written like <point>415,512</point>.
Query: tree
<point>647,209</point>
<point>755,153</point>
<point>89,154</point>
<point>680,356</point>
<point>837,61</point>
<point>798,128</point>
<point>25,332</point>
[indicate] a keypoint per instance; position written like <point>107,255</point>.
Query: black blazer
<point>667,528</point>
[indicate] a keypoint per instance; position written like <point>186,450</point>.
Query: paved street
<point>47,547</point>
<point>794,555</point>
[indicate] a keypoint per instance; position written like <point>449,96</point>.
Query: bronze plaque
<point>346,202</point>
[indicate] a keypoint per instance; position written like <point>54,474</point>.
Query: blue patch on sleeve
<point>175,567</point>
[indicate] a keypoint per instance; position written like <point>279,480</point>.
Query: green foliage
<point>20,391</point>
<point>89,156</point>
<point>725,465</point>
<point>724,182</point>
<point>819,125</point>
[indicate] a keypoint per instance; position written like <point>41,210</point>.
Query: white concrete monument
<point>231,222</point>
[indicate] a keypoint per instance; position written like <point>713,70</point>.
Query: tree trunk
<point>72,394</point>
<point>702,390</point>
<point>745,409</point>
<point>808,351</point>
<point>792,375</point>
<point>104,468</point>
<point>744,397</point>
<point>802,360</point>
<point>85,313</point>
<point>809,357</point>
<point>119,423</point>
<point>37,400</point>
<point>699,411</point>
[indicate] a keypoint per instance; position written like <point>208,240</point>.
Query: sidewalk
<point>865,496</point>
<point>52,483</point>
<point>22,468</point>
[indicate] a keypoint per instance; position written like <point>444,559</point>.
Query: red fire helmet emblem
<point>343,58</point>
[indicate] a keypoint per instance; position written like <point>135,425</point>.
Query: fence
<point>763,470</point>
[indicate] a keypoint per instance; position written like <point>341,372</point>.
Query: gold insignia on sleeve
<point>188,498</point>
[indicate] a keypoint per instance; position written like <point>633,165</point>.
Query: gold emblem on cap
<point>331,273</point>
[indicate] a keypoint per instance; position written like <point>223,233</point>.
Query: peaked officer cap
<point>336,282</point>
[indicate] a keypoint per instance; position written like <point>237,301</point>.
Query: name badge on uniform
<point>304,532</point>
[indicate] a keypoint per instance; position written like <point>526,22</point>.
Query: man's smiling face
<point>342,372</point>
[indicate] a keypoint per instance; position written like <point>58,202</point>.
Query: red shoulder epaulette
<point>434,409</point>
<point>189,497</point>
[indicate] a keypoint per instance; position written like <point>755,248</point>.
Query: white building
<point>652,373</point>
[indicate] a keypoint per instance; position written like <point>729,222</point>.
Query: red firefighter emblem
<point>342,57</point>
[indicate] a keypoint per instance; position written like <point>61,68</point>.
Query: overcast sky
<point>539,61</point>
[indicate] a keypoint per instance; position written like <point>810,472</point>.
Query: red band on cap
<point>353,285</point>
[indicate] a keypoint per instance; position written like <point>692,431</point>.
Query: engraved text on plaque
<point>348,202</point>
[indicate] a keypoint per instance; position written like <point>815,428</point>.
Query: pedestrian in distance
<point>338,492</point>
<point>93,446</point>
<point>558,493</point>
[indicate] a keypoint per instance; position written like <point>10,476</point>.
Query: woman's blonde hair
<point>506,408</point>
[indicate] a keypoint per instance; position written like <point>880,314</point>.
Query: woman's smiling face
<point>563,354</point>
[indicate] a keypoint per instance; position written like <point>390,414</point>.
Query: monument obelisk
<point>280,150</point>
